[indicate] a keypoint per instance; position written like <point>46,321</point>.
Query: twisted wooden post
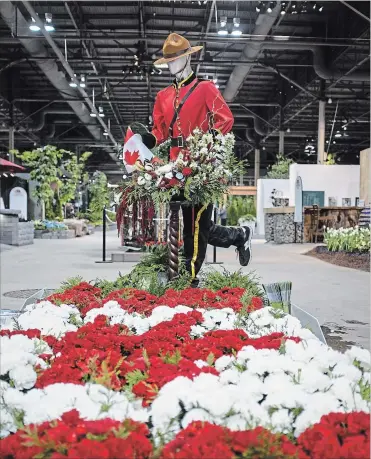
<point>173,240</point>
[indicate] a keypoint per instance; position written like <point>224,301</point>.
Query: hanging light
<point>215,80</point>
<point>33,26</point>
<point>82,81</point>
<point>338,134</point>
<point>259,7</point>
<point>48,23</point>
<point>236,24</point>
<point>100,112</point>
<point>73,82</point>
<point>223,21</point>
<point>5,175</point>
<point>329,100</point>
<point>320,9</point>
<point>271,6</point>
<point>223,26</point>
<point>288,130</point>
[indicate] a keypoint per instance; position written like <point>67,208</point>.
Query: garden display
<point>46,229</point>
<point>347,239</point>
<point>97,370</point>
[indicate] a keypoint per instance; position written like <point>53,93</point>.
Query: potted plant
<point>248,220</point>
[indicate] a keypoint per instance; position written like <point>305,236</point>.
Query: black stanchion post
<point>104,234</point>
<point>214,262</point>
<point>214,248</point>
<point>104,239</point>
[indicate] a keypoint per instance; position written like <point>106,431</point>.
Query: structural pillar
<point>281,144</point>
<point>257,165</point>
<point>11,143</point>
<point>321,154</point>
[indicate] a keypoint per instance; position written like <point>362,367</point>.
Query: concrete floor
<point>338,297</point>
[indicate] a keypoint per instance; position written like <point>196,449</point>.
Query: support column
<point>281,144</point>
<point>11,142</point>
<point>11,115</point>
<point>321,155</point>
<point>257,165</point>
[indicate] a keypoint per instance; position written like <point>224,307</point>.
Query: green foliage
<point>98,196</point>
<point>347,239</point>
<point>215,280</point>
<point>133,377</point>
<point>69,283</point>
<point>281,168</point>
<point>330,160</point>
<point>57,173</point>
<point>239,206</point>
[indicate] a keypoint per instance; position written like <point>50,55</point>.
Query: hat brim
<point>165,60</point>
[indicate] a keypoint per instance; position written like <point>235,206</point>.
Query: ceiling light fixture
<point>100,111</point>
<point>82,81</point>
<point>33,26</point>
<point>271,6</point>
<point>48,23</point>
<point>236,24</point>
<point>288,130</point>
<point>223,21</point>
<point>329,100</point>
<point>320,9</point>
<point>73,82</point>
<point>93,113</point>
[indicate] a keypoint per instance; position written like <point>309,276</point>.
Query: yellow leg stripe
<point>195,240</point>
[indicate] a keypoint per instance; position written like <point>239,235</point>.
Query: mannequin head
<point>181,67</point>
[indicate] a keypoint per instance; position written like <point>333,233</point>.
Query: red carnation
<point>186,171</point>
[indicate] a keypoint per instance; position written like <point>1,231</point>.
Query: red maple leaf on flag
<point>131,157</point>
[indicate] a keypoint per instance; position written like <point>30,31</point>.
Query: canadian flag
<point>135,153</point>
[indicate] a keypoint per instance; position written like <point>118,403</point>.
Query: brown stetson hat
<point>176,46</point>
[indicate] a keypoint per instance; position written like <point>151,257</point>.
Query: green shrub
<point>239,206</point>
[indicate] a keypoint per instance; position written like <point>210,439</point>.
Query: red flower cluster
<point>204,440</point>
<point>207,299</point>
<point>74,438</point>
<point>86,297</point>
<point>81,296</point>
<point>338,436</point>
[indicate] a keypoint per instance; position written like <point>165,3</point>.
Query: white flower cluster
<point>48,318</point>
<point>19,355</point>
<point>92,401</point>
<point>282,392</point>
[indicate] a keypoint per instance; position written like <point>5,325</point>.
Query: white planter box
<point>248,223</point>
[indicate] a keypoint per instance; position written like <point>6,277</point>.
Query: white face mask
<point>177,66</point>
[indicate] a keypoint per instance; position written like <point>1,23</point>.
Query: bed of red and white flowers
<point>192,374</point>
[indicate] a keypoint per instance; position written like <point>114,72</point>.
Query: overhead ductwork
<point>259,127</point>
<point>264,24</point>
<point>319,62</point>
<point>40,124</point>
<point>36,49</point>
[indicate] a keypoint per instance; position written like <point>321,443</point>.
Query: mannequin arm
<point>158,134</point>
<point>221,113</point>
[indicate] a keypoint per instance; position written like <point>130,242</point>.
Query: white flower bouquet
<point>200,174</point>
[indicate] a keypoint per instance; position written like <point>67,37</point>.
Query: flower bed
<point>190,374</point>
<point>353,240</point>
<point>46,229</point>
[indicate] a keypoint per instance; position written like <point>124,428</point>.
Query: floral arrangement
<point>201,172</point>
<point>49,225</point>
<point>194,373</point>
<point>347,239</point>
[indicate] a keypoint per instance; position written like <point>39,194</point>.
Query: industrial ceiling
<point>273,65</point>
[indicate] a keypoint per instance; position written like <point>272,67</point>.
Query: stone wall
<point>280,228</point>
<point>14,232</point>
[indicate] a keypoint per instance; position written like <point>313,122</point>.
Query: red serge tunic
<point>205,108</point>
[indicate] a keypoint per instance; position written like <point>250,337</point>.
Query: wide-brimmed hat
<point>176,46</point>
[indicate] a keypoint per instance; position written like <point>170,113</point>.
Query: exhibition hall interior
<point>185,229</point>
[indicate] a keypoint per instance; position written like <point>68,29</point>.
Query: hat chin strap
<point>180,74</point>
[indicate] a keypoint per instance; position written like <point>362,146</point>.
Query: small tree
<point>330,160</point>
<point>98,196</point>
<point>281,168</point>
<point>57,173</point>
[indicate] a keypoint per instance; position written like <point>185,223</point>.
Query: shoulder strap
<point>177,110</point>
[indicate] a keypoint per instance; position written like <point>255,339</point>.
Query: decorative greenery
<point>239,206</point>
<point>57,173</point>
<point>98,197</point>
<point>347,239</point>
<point>330,160</point>
<point>201,172</point>
<point>247,218</point>
<point>216,280</point>
<point>281,168</point>
<point>49,225</point>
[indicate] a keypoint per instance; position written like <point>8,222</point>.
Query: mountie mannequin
<point>187,104</point>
